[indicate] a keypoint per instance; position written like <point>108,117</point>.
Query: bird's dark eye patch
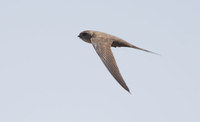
<point>84,34</point>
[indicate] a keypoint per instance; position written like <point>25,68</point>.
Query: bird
<point>102,43</point>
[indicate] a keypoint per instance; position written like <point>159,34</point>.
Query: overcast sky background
<point>47,74</point>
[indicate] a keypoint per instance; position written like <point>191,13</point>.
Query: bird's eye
<point>84,34</point>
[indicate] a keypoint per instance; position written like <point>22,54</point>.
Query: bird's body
<point>102,43</point>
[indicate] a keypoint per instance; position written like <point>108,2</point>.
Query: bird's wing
<point>102,47</point>
<point>122,43</point>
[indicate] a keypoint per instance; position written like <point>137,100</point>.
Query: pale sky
<point>47,74</point>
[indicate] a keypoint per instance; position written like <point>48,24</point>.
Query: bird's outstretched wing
<point>102,47</point>
<point>122,43</point>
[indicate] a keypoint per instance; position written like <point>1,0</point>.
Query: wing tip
<point>154,53</point>
<point>127,89</point>
<point>145,50</point>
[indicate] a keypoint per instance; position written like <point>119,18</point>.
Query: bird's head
<point>86,36</point>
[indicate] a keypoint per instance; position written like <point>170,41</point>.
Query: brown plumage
<point>102,43</point>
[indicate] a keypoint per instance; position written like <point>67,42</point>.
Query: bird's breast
<point>87,40</point>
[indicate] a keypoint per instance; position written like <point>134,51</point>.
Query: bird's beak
<point>79,36</point>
